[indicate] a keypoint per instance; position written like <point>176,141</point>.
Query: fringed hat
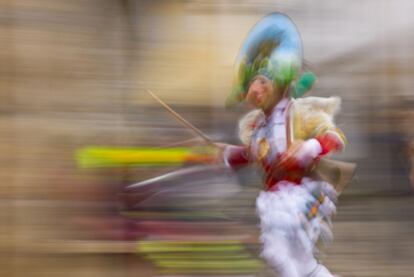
<point>273,48</point>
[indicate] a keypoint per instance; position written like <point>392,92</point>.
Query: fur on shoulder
<point>328,105</point>
<point>248,123</point>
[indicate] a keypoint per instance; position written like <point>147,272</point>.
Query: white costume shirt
<point>273,129</point>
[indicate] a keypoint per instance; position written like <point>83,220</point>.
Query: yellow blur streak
<point>109,157</point>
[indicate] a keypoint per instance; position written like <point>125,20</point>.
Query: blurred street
<point>373,237</point>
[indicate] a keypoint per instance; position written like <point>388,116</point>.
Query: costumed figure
<point>287,136</point>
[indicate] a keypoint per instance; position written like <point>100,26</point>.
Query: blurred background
<point>74,74</point>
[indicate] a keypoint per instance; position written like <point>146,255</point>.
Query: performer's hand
<point>219,152</point>
<point>234,156</point>
<point>330,141</point>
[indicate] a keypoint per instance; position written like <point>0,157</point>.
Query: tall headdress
<point>273,48</point>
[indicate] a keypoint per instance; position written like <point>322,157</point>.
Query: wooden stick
<point>183,142</point>
<point>181,120</point>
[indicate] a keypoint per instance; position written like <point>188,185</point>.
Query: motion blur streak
<point>107,157</point>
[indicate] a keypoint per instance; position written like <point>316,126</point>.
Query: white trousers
<point>287,235</point>
<point>288,257</point>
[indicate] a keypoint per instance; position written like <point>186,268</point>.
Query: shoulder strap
<point>289,124</point>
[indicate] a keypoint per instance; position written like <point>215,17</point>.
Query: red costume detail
<point>283,171</point>
<point>329,142</point>
<point>238,156</point>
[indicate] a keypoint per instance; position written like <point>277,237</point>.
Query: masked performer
<point>286,136</point>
